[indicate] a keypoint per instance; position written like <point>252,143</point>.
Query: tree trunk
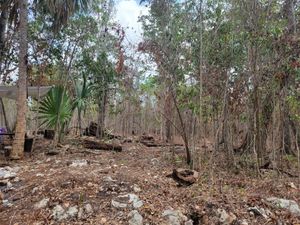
<point>3,22</point>
<point>79,122</point>
<point>168,114</point>
<point>4,116</point>
<point>18,144</point>
<point>289,13</point>
<point>101,116</point>
<point>183,132</point>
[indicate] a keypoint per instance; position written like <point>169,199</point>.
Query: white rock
<point>290,205</point>
<point>15,169</point>
<point>35,189</point>
<point>88,209</point>
<point>174,217</point>
<point>154,161</point>
<point>292,185</point>
<point>138,204</point>
<point>226,218</point>
<point>124,201</point>
<point>6,203</point>
<point>79,163</point>
<point>259,211</point>
<point>117,204</point>
<point>72,212</point>
<point>190,222</point>
<point>133,198</point>
<point>108,179</point>
<point>38,223</point>
<point>243,222</point>
<point>135,218</point>
<point>136,188</point>
<point>7,173</point>
<point>41,204</point>
<point>58,213</point>
<point>9,185</point>
<point>17,179</point>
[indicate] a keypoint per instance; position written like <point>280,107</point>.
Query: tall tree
<point>18,144</point>
<point>60,11</point>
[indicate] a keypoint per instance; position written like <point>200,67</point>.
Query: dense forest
<point>202,110</point>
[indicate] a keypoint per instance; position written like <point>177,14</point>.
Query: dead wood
<point>149,141</point>
<point>185,177</point>
<point>99,145</point>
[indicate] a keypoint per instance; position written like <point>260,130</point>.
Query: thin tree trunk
<point>18,144</point>
<point>4,116</point>
<point>3,22</point>
<point>79,123</point>
<point>168,112</point>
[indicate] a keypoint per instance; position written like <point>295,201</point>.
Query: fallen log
<point>149,141</point>
<point>99,145</point>
<point>185,177</point>
<point>151,144</point>
<point>147,137</point>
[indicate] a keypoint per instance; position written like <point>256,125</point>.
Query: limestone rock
<point>257,211</point>
<point>79,163</point>
<point>72,212</point>
<point>135,218</point>
<point>226,218</point>
<point>7,173</point>
<point>88,209</point>
<point>108,179</point>
<point>136,188</point>
<point>174,217</point>
<point>118,204</point>
<point>189,222</point>
<point>128,200</point>
<point>289,205</point>
<point>243,222</point>
<point>42,204</point>
<point>58,213</point>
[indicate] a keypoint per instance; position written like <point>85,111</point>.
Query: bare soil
<point>43,176</point>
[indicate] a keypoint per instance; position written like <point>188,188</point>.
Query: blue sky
<point>127,13</point>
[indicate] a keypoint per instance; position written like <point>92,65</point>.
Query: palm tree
<point>82,93</point>
<point>56,111</point>
<point>18,144</point>
<point>60,11</point>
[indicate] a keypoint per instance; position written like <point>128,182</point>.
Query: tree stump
<point>185,177</point>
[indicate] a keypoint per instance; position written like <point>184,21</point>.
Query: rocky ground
<point>80,186</point>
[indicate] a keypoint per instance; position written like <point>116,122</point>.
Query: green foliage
<point>149,86</point>
<point>101,72</point>
<point>83,92</point>
<point>294,105</point>
<point>56,108</point>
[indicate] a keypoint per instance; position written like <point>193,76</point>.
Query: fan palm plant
<point>56,111</point>
<point>82,93</point>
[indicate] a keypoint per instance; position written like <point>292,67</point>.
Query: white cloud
<point>127,14</point>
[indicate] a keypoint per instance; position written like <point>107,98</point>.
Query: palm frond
<point>56,108</point>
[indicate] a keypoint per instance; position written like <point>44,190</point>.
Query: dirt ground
<point>101,176</point>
